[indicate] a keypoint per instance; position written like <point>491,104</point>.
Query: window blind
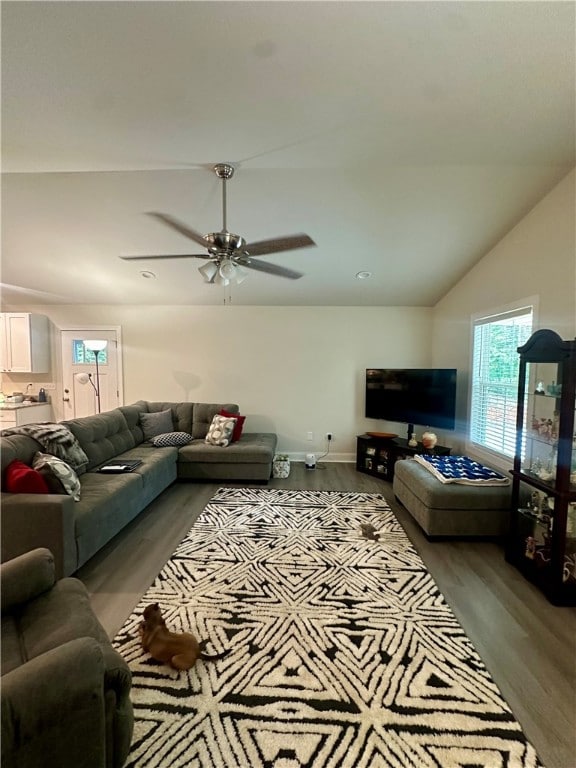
<point>495,362</point>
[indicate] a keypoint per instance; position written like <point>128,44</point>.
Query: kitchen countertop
<point>16,406</point>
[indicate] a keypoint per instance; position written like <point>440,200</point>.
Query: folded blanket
<point>55,439</point>
<point>461,469</point>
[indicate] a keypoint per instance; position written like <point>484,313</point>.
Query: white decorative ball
<point>429,440</point>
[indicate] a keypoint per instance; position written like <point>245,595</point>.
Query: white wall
<point>291,369</point>
<point>536,258</point>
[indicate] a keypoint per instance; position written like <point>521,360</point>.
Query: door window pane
<point>83,356</point>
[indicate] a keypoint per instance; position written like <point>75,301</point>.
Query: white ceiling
<point>406,138</point>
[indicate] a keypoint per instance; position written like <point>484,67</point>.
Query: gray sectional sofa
<point>75,530</point>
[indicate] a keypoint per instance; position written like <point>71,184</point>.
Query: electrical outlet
<point>310,436</point>
<point>328,436</point>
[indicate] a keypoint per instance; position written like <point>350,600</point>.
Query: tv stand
<point>377,455</point>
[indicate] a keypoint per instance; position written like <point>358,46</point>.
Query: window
<point>495,362</point>
<point>82,356</point>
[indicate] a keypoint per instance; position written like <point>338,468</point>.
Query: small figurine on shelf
<point>540,389</point>
<point>530,548</point>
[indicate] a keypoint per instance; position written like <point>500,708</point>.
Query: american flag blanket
<point>461,469</point>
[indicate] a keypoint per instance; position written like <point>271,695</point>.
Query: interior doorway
<point>81,381</point>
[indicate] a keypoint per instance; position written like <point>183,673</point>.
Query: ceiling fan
<point>227,253</point>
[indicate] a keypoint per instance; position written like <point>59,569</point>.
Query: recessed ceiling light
<point>363,275</point>
<point>147,274</point>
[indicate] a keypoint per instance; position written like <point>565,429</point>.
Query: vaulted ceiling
<point>406,138</point>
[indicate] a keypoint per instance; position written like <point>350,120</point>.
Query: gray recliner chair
<point>65,690</point>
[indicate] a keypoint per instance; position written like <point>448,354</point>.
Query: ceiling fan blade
<point>184,229</point>
<point>271,269</point>
<point>277,244</point>
<point>169,256</point>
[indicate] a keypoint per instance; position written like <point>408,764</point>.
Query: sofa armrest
<point>25,577</point>
<point>31,520</point>
<point>53,711</point>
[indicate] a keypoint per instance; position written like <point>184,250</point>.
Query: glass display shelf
<point>542,539</point>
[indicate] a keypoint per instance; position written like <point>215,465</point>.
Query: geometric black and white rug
<point>342,651</point>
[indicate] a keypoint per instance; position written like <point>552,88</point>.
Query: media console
<point>377,455</point>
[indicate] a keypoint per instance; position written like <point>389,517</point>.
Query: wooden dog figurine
<point>178,649</point>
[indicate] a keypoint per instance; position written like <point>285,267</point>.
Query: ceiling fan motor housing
<point>224,241</point>
<point>224,170</point>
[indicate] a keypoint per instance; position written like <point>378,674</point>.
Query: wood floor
<point>528,645</point>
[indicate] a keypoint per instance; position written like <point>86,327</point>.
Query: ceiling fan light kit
<point>208,271</point>
<point>229,254</point>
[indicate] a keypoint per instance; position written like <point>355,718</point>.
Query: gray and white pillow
<point>171,438</point>
<point>54,469</point>
<point>220,431</point>
<point>158,423</point>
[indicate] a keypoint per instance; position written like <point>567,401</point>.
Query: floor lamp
<point>96,346</point>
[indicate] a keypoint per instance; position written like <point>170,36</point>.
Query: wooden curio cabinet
<point>542,539</point>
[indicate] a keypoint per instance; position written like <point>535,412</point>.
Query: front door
<point>87,387</point>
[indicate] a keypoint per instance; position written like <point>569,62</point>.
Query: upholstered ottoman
<point>451,509</point>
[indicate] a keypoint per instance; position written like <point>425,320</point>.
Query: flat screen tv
<point>424,396</point>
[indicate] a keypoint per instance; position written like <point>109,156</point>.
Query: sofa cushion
<point>20,478</point>
<point>108,503</point>
<point>48,464</point>
<point>58,615</point>
<point>203,415</point>
<point>238,426</point>
<point>17,447</point>
<point>132,415</point>
<point>171,439</point>
<point>157,470</point>
<point>10,647</point>
<point>254,448</point>
<point>220,431</point>
<point>181,414</point>
<point>102,436</point>
<point>156,423</point>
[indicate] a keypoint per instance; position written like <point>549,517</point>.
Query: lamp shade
<point>241,275</point>
<point>82,378</point>
<point>228,270</point>
<point>208,271</point>
<point>95,345</point>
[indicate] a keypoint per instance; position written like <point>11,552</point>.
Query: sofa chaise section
<point>249,459</point>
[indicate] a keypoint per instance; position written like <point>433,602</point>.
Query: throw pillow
<point>238,427</point>
<point>156,423</point>
<point>48,464</point>
<point>220,431</point>
<point>171,438</point>
<point>20,478</point>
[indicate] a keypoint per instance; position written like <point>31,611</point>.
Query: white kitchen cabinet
<point>24,343</point>
<point>17,415</point>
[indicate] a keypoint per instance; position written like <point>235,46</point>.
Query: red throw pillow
<point>20,478</point>
<point>238,427</point>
